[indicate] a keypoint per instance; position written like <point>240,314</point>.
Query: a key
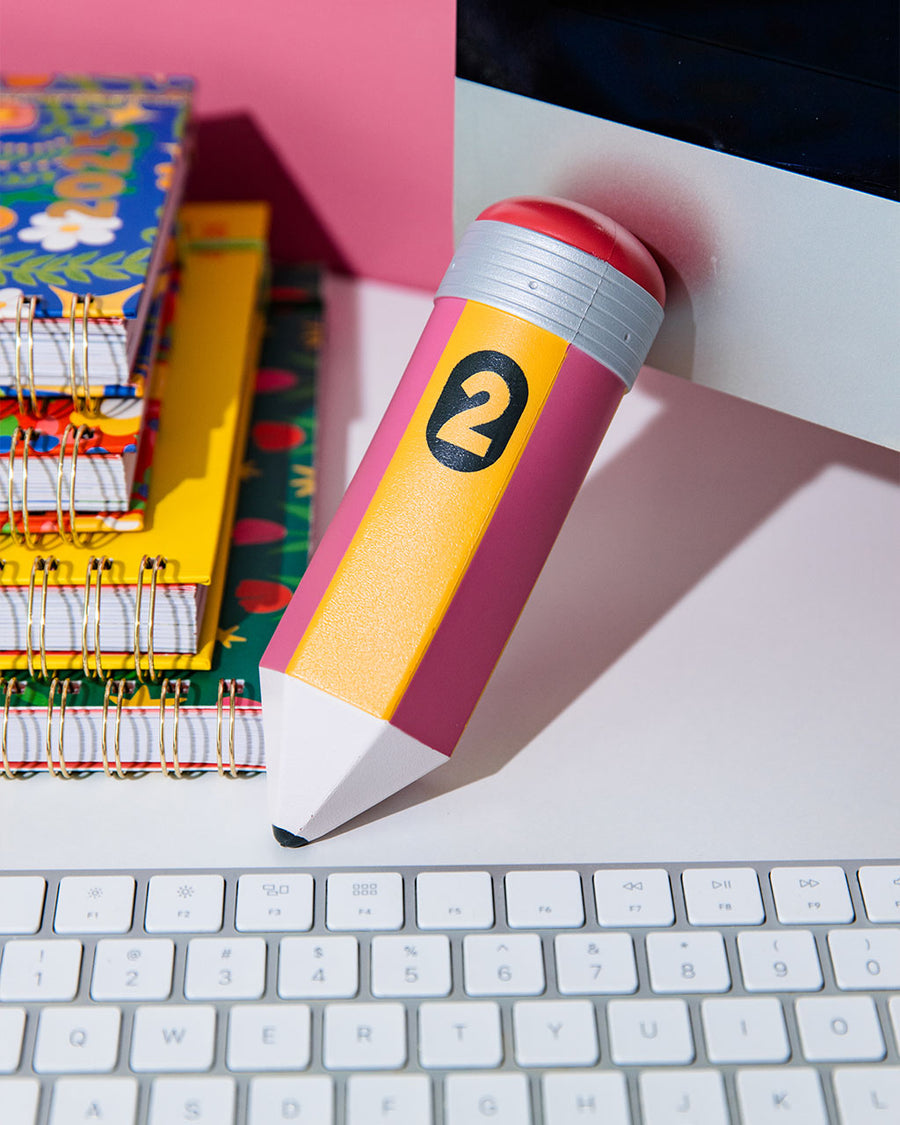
<point>573,1098</point>
<point>291,1098</point>
<point>722,896</point>
<point>634,897</point>
<point>175,1037</point>
<point>397,1099</point>
<point>745,1030</point>
<point>77,1040</point>
<point>839,1029</point>
<point>536,899</point>
<point>865,959</point>
<point>189,904</point>
<point>784,1094</point>
<point>110,1101</point>
<point>454,900</point>
<point>555,1033</point>
<point>364,901</point>
<point>779,962</point>
<point>19,1098</point>
<point>867,1095</point>
<point>268,1037</point>
<point>881,892</point>
<point>204,1100</point>
<point>40,970</point>
<point>414,965</point>
<point>811,894</point>
<point>94,904</point>
<point>687,962</point>
<point>595,964</point>
<point>274,903</point>
<point>12,1031</point>
<point>649,1032</point>
<point>231,968</point>
<point>364,1036</point>
<point>501,1099</point>
<point>672,1098</point>
<point>460,1035</point>
<point>503,965</point>
<point>139,969</point>
<point>21,903</point>
<point>324,967</point>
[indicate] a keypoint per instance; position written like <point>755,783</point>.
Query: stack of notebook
<point>110,609</point>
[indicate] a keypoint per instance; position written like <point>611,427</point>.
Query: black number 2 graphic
<point>477,411</point>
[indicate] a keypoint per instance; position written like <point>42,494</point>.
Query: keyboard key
<point>881,892</point>
<point>723,896</point>
<point>503,965</point>
<point>364,1036</point>
<point>231,968</point>
<point>268,1037</point>
<point>364,901</point>
<point>745,1030</point>
<point>132,969</point>
<point>777,1096</point>
<point>40,970</point>
<point>417,965</point>
<point>865,959</point>
<point>21,903</point>
<point>555,1033</point>
<point>649,1032</point>
<point>670,1098</point>
<point>94,904</point>
<point>274,902</point>
<point>324,967</point>
<point>206,1101</point>
<point>779,962</point>
<point>634,897</point>
<point>175,1037</point>
<point>867,1095</point>
<point>501,1099</point>
<point>290,1098</point>
<point>12,1031</point>
<point>456,1034</point>
<point>19,1098</point>
<point>687,962</point>
<point>595,964</point>
<point>111,1101</point>
<point>839,1029</point>
<point>77,1040</point>
<point>187,904</point>
<point>894,1009</point>
<point>400,1099</point>
<point>536,899</point>
<point>811,894</point>
<point>575,1098</point>
<point>454,900</point>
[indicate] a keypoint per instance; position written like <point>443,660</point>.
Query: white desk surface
<point>708,668</point>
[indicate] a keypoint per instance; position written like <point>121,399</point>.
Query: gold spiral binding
<point>155,566</point>
<point>9,688</point>
<point>64,772</point>
<point>26,539</point>
<point>45,564</point>
<point>32,305</point>
<point>163,765</point>
<point>232,693</point>
<point>98,565</point>
<point>87,405</point>
<point>117,771</point>
<point>69,534</point>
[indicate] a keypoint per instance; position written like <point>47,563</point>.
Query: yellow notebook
<point>206,393</point>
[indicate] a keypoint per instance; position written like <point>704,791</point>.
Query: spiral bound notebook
<point>92,173</point>
<point>207,719</point>
<point>150,599</point>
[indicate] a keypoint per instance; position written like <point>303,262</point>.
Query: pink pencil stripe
<point>485,608</point>
<point>359,494</point>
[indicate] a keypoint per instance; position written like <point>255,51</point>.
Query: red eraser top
<point>585,229</point>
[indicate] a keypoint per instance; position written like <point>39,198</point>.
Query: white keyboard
<point>764,994</point>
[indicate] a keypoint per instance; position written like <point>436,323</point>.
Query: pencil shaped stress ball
<point>540,325</point>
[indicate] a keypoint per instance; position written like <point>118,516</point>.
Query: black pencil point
<point>288,839</point>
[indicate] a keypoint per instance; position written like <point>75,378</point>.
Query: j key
<point>693,1096</point>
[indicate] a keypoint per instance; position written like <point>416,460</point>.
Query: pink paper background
<point>340,112</point>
